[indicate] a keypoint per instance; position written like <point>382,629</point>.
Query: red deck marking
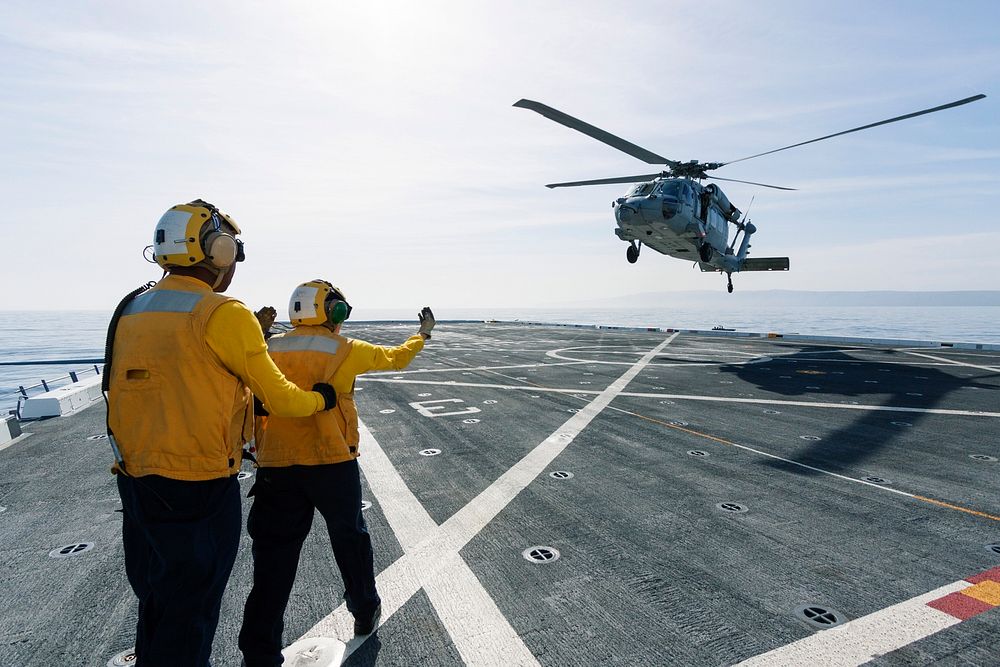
<point>988,575</point>
<point>960,606</point>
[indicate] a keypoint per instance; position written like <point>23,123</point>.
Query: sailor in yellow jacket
<point>309,464</point>
<point>181,363</point>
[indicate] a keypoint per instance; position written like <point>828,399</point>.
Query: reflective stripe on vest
<point>163,301</point>
<point>306,355</point>
<point>303,344</point>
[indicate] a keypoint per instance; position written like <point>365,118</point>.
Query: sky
<point>375,145</point>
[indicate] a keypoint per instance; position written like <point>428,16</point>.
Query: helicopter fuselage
<point>681,218</point>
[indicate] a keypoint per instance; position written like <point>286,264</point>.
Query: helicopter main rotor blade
<point>765,185</point>
<point>605,181</point>
<point>957,103</point>
<point>594,132</point>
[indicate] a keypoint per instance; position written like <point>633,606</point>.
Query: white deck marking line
<point>952,362</point>
<point>452,587</point>
<point>424,565</point>
<point>863,639</point>
<point>452,369</point>
<point>690,397</point>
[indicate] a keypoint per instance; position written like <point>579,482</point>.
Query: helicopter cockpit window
<point>688,194</point>
<point>670,191</point>
<point>669,188</point>
<point>642,190</point>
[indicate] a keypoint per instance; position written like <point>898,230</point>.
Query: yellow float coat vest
<point>174,409</point>
<point>307,355</point>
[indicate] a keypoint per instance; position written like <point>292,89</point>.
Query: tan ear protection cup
<point>220,249</point>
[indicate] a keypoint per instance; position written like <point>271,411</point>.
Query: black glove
<point>258,408</point>
<point>329,395</point>
<point>265,317</point>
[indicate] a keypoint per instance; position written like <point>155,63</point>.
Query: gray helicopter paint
<point>666,196</point>
<point>642,532</point>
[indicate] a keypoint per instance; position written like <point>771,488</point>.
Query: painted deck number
<point>429,409</point>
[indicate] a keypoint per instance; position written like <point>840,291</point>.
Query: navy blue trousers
<point>180,540</point>
<point>284,501</point>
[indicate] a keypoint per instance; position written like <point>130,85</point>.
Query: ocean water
<point>54,335</point>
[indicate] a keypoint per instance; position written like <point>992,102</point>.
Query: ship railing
<point>23,392</point>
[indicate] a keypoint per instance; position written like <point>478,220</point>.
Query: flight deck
<point>558,495</point>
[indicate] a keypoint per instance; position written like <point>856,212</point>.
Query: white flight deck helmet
<point>192,233</point>
<point>318,302</point>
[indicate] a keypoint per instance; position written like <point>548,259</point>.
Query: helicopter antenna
<point>743,221</point>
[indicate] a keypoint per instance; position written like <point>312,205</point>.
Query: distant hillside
<point>786,298</point>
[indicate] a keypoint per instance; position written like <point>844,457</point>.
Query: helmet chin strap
<point>219,277</point>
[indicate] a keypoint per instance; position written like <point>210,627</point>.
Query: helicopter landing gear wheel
<point>705,252</point>
<point>729,284</point>
<point>632,253</point>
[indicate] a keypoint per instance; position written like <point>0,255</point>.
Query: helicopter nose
<point>624,213</point>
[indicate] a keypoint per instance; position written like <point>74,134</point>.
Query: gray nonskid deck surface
<point>651,572</point>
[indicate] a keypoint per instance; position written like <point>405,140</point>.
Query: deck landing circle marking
<point>430,452</point>
<point>573,410</point>
<point>983,457</point>
<point>126,657</point>
<point>560,474</point>
<point>365,504</point>
<point>810,438</point>
<point>877,480</point>
<point>667,403</point>
<point>541,554</point>
<point>489,401</point>
<point>423,395</point>
<point>819,616</point>
<point>243,474</point>
<point>993,548</point>
<point>387,411</point>
<point>732,508</point>
<point>99,436</point>
<point>903,424</point>
<point>677,422</point>
<point>772,412</point>
<point>71,550</point>
<point>470,421</point>
<point>397,377</point>
<point>698,452</point>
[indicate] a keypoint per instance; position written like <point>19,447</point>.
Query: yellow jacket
<point>310,354</point>
<point>178,397</point>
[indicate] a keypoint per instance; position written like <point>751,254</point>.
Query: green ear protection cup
<point>339,311</point>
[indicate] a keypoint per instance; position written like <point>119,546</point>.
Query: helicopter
<point>673,213</point>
